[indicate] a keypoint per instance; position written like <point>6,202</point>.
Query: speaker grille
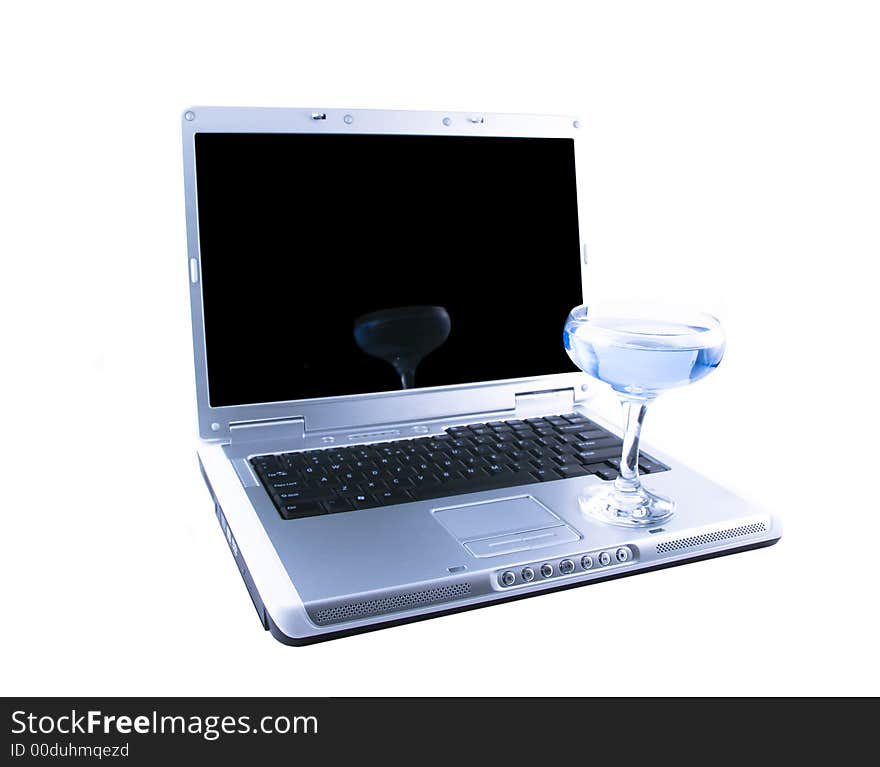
<point>352,610</point>
<point>718,535</point>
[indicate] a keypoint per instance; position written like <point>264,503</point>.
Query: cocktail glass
<point>639,351</point>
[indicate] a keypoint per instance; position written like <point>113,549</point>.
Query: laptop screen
<point>337,264</point>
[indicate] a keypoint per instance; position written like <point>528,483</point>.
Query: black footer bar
<point>135,731</point>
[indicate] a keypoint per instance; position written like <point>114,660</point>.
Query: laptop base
<point>270,625</point>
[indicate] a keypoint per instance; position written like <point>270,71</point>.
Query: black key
<point>598,454</point>
<point>649,465</point>
<point>298,510</point>
<point>295,496</point>
<point>391,497</point>
<point>601,470</point>
<point>285,484</point>
<point>573,417</point>
<point>594,434</point>
<point>424,479</point>
<point>589,444</point>
<point>363,501</point>
<point>265,463</point>
<point>566,427</point>
<point>276,474</point>
<point>543,475</point>
<point>335,505</point>
<point>572,470</point>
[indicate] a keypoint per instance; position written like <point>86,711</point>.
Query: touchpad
<point>504,525</point>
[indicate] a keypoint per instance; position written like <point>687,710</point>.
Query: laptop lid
<point>352,268</point>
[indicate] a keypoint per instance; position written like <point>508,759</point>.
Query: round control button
<point>604,558</point>
<point>528,574</point>
<point>566,566</point>
<point>622,554</point>
<point>587,562</point>
<point>546,570</point>
<point>507,578</point>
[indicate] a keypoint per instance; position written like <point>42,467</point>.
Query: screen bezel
<point>374,408</point>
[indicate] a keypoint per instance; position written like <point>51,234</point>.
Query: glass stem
<point>633,416</point>
<point>407,375</point>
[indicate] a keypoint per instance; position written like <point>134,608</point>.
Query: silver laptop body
<point>327,575</point>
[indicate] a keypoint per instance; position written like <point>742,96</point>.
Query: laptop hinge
<point>545,402</point>
<point>289,428</point>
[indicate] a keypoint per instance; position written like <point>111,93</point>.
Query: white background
<point>732,161</point>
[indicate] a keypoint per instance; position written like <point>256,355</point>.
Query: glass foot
<point>626,506</point>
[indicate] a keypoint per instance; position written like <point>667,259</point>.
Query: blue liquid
<point>643,357</point>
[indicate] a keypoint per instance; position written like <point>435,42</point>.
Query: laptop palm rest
<point>504,526</point>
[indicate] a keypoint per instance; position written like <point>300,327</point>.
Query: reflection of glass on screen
<point>465,248</point>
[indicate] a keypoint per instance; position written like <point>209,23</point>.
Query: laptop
<point>389,426</point>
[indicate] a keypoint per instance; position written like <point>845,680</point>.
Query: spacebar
<point>474,485</point>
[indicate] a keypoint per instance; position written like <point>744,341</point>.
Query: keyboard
<point>464,459</point>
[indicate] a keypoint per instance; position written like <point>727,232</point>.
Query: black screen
<point>340,264</point>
